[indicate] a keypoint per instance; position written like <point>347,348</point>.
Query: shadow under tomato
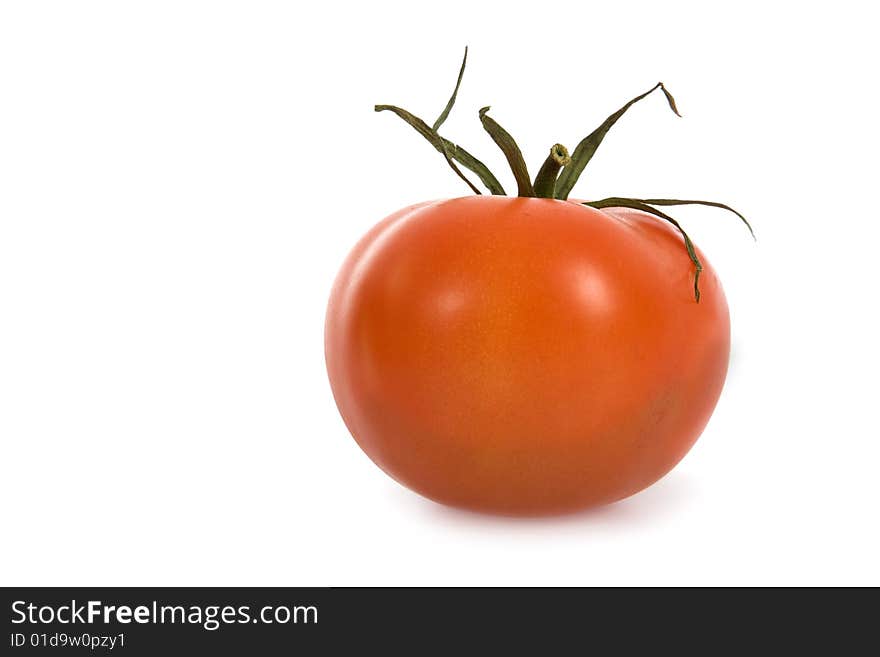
<point>654,504</point>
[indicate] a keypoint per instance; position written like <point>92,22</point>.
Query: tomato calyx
<point>559,172</point>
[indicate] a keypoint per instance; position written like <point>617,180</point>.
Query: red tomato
<point>525,355</point>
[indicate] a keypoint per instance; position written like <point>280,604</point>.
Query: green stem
<point>445,113</point>
<point>464,158</point>
<point>545,181</point>
<point>636,204</point>
<point>458,171</point>
<point>711,204</point>
<point>448,149</point>
<point>585,150</point>
<point>511,151</point>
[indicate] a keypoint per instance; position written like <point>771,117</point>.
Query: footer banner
<point>258,621</point>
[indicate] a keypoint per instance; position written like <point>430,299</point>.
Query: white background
<point>179,182</point>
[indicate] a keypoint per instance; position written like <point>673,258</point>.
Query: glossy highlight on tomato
<point>525,356</point>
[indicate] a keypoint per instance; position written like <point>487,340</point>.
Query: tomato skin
<point>525,356</point>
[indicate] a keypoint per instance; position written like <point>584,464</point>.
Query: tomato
<point>525,355</point>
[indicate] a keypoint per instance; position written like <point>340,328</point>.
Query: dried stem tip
<point>545,181</point>
<point>560,155</point>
